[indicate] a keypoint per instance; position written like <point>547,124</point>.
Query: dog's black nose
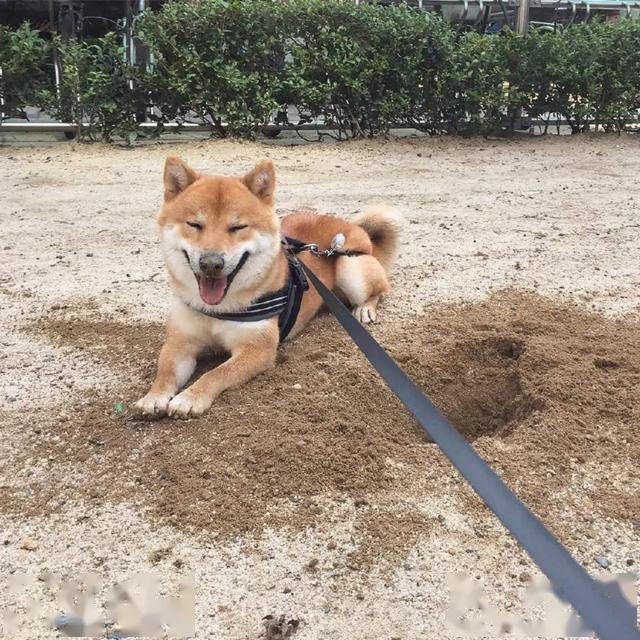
<point>211,263</point>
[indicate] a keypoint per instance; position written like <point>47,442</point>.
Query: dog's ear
<point>177,177</point>
<point>261,181</point>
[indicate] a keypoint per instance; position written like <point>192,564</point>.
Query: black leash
<point>610,616</point>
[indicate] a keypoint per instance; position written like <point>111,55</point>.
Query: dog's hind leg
<point>362,280</point>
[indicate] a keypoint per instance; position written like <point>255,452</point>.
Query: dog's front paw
<point>365,313</point>
<point>188,405</point>
<point>153,404</point>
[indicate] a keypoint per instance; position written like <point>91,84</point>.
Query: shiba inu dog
<point>232,279</point>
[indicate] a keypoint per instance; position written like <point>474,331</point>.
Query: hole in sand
<point>482,391</point>
<point>476,382</point>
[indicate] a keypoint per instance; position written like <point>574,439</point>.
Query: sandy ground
<point>342,518</point>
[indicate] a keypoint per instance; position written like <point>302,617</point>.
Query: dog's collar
<point>284,303</point>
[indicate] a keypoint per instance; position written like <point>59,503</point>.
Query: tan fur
<point>383,227</point>
<point>237,216</point>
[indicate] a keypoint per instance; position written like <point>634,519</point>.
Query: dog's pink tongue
<point>212,289</point>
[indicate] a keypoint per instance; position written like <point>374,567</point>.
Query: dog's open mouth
<point>212,290</point>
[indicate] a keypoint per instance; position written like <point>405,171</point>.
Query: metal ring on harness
<point>336,249</point>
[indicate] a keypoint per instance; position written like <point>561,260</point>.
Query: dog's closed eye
<point>194,225</point>
<point>237,227</point>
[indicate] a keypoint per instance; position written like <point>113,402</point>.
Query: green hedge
<point>364,68</point>
<point>216,59</point>
<point>235,65</point>
<point>23,61</point>
<point>99,91</point>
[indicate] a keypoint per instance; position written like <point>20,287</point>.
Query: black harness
<point>285,302</point>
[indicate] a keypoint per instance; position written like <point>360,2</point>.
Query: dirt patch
<point>130,348</point>
<point>543,389</point>
<point>270,460</point>
<point>279,628</point>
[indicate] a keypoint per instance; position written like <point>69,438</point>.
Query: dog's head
<point>219,235</point>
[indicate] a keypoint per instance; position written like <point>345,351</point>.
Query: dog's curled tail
<point>382,225</point>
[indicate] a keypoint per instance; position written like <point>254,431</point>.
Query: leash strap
<point>610,616</point>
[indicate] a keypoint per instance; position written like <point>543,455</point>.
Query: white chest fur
<point>211,332</point>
